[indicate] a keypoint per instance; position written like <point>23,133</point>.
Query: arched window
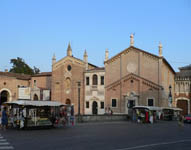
<point>94,79</point>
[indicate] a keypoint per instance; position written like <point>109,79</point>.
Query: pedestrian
<point>181,120</point>
<point>111,112</point>
<point>147,116</point>
<point>4,119</point>
<point>159,115</point>
<point>151,117</point>
<point>72,115</point>
<point>0,119</point>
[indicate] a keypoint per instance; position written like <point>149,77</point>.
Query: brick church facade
<point>183,89</point>
<point>132,77</point>
<point>136,77</point>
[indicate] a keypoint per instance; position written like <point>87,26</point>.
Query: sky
<point>36,29</point>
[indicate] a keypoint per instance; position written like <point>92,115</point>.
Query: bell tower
<point>69,50</point>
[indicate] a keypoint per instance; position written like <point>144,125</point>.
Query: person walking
<point>4,119</point>
<point>181,120</point>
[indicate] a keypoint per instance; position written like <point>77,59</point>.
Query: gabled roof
<point>76,59</point>
<point>16,75</point>
<point>132,47</point>
<point>96,69</point>
<point>43,74</point>
<point>131,75</point>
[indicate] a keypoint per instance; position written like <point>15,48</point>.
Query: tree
<point>19,66</point>
<point>36,70</point>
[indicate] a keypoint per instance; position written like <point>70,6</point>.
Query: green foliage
<point>19,66</point>
<point>36,70</point>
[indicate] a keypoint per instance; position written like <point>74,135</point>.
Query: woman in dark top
<point>4,119</point>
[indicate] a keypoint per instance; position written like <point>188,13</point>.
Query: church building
<point>130,78</point>
<point>136,77</point>
<point>183,89</point>
<point>68,80</point>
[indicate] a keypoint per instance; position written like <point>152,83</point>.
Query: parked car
<point>187,118</point>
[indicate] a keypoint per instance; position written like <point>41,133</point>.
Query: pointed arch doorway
<point>94,108</point>
<point>35,97</point>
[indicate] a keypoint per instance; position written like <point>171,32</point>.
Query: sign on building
<point>24,93</point>
<point>46,94</point>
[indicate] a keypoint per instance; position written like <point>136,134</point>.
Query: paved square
<point>104,136</point>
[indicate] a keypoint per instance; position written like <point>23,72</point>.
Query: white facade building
<point>94,91</point>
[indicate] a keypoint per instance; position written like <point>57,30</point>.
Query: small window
<point>69,67</point>
<point>114,103</point>
<point>102,105</point>
<point>94,79</point>
<point>150,102</point>
<point>34,82</point>
<point>102,80</point>
<point>87,105</point>
<point>87,81</point>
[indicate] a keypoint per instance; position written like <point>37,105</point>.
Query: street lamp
<point>170,97</point>
<point>79,85</point>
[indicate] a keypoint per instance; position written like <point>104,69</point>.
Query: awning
<point>35,103</point>
<point>172,108</point>
<point>147,107</point>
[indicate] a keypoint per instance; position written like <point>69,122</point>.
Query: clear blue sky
<point>36,29</point>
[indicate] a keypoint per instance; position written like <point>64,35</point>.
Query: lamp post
<point>170,97</point>
<point>79,85</point>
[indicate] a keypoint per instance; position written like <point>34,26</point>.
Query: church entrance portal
<point>183,104</point>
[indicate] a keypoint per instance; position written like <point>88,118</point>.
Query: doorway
<point>68,101</point>
<point>94,108</point>
<point>4,97</point>
<point>183,104</point>
<point>35,97</point>
<point>129,106</point>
